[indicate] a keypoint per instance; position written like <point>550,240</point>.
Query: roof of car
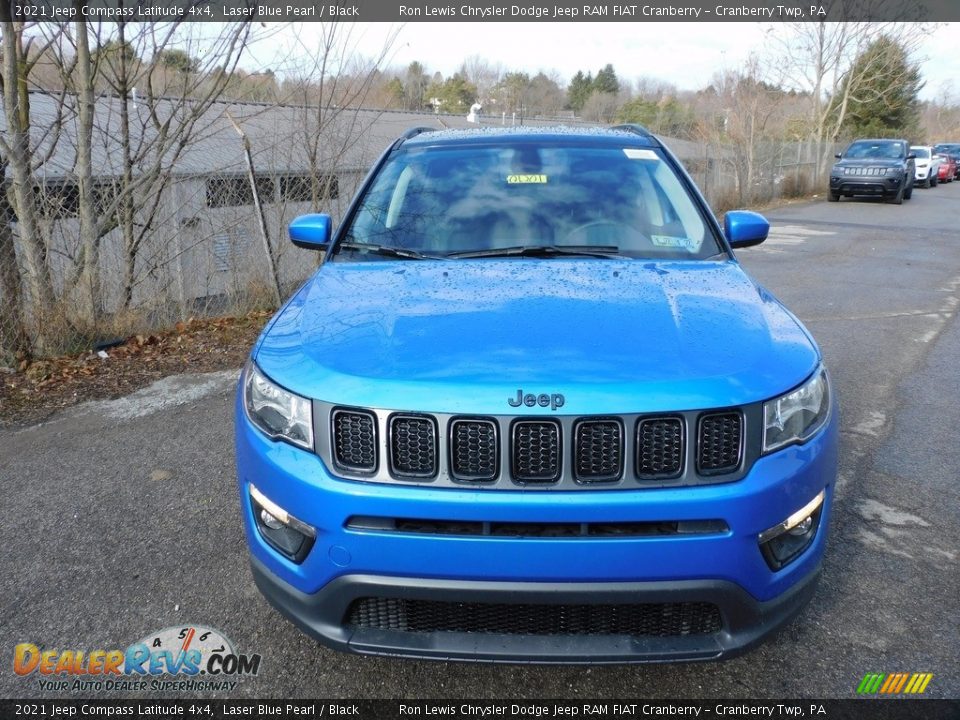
<point>634,136</point>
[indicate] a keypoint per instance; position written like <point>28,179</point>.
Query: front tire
<point>898,198</point>
<point>832,196</point>
<point>908,192</point>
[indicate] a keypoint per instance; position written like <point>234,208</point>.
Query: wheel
<point>908,192</point>
<point>934,179</point>
<point>832,196</point>
<point>898,198</point>
<point>928,182</point>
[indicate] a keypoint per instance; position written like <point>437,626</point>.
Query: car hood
<point>614,336</point>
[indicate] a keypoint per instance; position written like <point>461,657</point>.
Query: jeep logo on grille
<point>554,401</point>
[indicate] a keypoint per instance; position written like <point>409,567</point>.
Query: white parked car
<point>927,165</point>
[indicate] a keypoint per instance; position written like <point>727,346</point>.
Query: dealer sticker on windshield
<point>640,154</point>
<point>672,241</point>
<point>526,179</point>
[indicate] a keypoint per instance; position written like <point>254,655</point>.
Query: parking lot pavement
<point>121,517</point>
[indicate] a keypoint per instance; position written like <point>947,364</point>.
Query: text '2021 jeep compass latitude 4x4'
<point>530,408</point>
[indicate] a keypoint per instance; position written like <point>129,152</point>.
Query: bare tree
<point>330,82</point>
<point>165,79</point>
<point>742,120</point>
<point>19,152</point>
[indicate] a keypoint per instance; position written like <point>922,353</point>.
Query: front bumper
<point>746,621</point>
<point>725,568</point>
<point>865,185</point>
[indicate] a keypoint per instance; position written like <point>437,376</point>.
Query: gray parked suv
<point>882,168</point>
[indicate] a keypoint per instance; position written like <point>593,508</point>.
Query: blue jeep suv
<point>531,408</point>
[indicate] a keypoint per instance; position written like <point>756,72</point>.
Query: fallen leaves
<point>39,388</point>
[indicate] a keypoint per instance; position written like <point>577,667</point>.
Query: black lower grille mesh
<point>638,620</point>
<point>413,446</point>
<point>473,453</point>
<point>659,447</point>
<point>354,440</point>
<point>536,451</point>
<point>719,441</point>
<point>599,450</point>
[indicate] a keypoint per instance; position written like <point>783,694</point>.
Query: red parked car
<point>948,167</point>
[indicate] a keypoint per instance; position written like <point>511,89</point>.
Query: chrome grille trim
<point>470,457</point>
<point>585,450</point>
<point>354,458</point>
<point>414,457</point>
<point>630,477</point>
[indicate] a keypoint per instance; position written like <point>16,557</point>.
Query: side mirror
<point>744,228</point>
<point>838,155</point>
<point>311,232</point>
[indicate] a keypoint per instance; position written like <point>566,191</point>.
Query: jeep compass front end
<point>530,408</point>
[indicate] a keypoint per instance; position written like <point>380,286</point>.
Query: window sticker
<point>640,154</point>
<point>672,241</point>
<point>526,179</point>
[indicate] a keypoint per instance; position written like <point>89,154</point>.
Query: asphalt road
<point>120,518</point>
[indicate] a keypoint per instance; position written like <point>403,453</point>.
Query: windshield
<point>463,199</point>
<point>874,150</point>
<point>920,152</point>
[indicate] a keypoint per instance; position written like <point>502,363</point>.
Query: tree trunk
<point>90,302</point>
<point>16,145</point>
<point>14,341</point>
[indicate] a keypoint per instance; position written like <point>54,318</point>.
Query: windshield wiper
<point>601,251</point>
<point>388,251</point>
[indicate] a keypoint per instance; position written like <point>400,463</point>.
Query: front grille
<point>598,454</point>
<point>354,440</point>
<point>678,619</point>
<point>536,451</point>
<point>413,446</point>
<point>473,450</point>
<point>719,439</point>
<point>540,452</point>
<point>659,448</point>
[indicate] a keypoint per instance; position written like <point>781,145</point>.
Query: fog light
<point>785,541</point>
<point>270,521</point>
<point>281,530</point>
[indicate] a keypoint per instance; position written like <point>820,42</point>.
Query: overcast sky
<point>683,54</point>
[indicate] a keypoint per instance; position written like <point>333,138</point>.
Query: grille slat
<point>719,441</point>
<point>355,440</point>
<point>473,450</point>
<point>413,446</point>
<point>598,455</point>
<point>678,619</point>
<point>659,448</point>
<point>536,451</point>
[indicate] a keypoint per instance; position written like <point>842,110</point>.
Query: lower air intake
<point>637,620</point>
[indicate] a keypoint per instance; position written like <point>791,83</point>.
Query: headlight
<point>796,416</point>
<point>278,412</point>
<point>893,170</point>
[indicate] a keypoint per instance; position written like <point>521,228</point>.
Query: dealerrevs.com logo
<point>186,659</point>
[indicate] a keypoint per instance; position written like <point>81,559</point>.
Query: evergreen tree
<point>606,81</point>
<point>580,89</point>
<point>884,86</point>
